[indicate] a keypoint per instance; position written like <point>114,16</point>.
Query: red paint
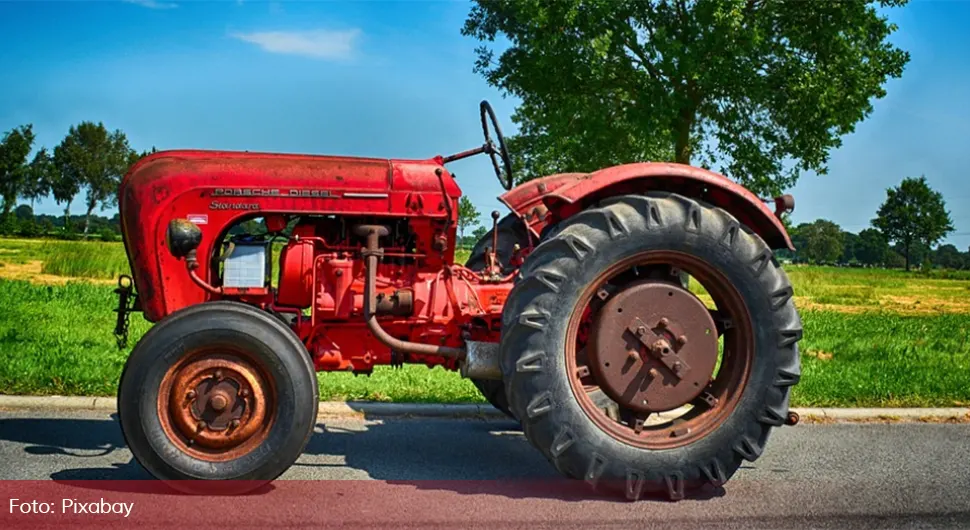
<point>321,270</point>
<point>544,201</point>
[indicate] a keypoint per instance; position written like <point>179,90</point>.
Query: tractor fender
<point>547,200</point>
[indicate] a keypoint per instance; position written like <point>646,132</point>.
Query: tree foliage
<point>949,257</point>
<point>822,241</point>
<point>15,146</point>
<point>913,215</point>
<point>871,248</point>
<point>94,159</point>
<point>41,174</point>
<point>467,215</point>
<point>746,85</point>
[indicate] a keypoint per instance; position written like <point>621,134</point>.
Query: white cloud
<point>152,4</point>
<point>320,44</point>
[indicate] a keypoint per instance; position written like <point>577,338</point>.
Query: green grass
<point>884,359</point>
<point>57,340</point>
<point>872,337</point>
<point>86,260</point>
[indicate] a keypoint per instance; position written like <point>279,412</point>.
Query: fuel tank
<point>217,189</point>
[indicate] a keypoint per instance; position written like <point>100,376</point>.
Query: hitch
<point>127,300</point>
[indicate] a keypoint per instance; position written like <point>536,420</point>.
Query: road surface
<point>484,474</point>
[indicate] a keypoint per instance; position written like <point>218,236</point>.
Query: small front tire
<point>219,391</point>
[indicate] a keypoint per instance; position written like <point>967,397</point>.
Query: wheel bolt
<point>244,393</point>
<point>199,427</point>
<point>663,323</point>
<point>219,402</point>
<point>234,424</point>
<point>218,374</point>
<point>190,394</point>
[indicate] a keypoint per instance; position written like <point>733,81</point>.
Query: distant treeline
<point>22,222</point>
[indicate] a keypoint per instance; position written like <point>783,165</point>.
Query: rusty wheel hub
<point>654,346</point>
<point>216,405</point>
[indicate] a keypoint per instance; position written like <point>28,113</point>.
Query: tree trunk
<point>906,248</point>
<point>67,216</point>
<point>682,149</point>
<point>87,220</point>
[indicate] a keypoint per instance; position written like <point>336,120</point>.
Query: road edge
<point>367,409</point>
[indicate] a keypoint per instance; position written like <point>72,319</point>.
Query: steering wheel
<point>506,183</point>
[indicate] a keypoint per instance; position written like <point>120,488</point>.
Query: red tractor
<point>634,320</point>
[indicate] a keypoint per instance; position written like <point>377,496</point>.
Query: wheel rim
<point>639,344</point>
<point>217,404</point>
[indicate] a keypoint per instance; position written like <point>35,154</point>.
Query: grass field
<point>872,337</point>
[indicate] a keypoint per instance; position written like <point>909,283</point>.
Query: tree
<point>15,147</point>
<point>949,257</point>
<point>823,241</point>
<point>913,214</point>
<point>96,160</point>
<point>467,215</point>
<point>850,242</point>
<point>66,181</point>
<point>24,212</point>
<point>40,175</point>
<point>748,84</point>
<point>871,247</point>
<point>480,232</point>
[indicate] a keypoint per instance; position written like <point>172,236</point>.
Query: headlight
<point>182,237</point>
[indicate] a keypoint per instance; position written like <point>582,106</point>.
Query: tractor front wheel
<point>623,376</point>
<point>218,391</point>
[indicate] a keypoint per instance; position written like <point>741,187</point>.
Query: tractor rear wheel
<point>511,232</point>
<point>218,391</point>
<point>623,377</point>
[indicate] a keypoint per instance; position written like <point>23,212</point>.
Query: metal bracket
<point>659,347</point>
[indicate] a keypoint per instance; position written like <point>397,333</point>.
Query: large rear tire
<point>218,391</point>
<point>586,272</point>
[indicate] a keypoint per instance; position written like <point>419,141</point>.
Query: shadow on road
<point>470,457</point>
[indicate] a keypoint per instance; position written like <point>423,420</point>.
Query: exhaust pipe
<point>372,252</point>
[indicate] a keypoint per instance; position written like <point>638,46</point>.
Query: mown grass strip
<point>57,340</point>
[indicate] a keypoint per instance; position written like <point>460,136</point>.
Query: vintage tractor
<point>634,320</point>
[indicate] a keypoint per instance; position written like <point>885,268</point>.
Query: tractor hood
<point>215,189</point>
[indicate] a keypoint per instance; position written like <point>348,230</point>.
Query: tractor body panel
<point>545,201</point>
<point>216,189</point>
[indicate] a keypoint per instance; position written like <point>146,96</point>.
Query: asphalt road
<point>477,474</point>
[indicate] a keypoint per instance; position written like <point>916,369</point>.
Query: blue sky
<point>395,80</point>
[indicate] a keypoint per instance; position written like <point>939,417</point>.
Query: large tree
<point>15,146</point>
<point>95,159</point>
<point>823,241</point>
<point>742,85</point>
<point>913,215</point>
<point>41,174</point>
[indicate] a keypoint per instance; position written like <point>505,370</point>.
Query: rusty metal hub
<point>653,346</point>
<point>216,406</point>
